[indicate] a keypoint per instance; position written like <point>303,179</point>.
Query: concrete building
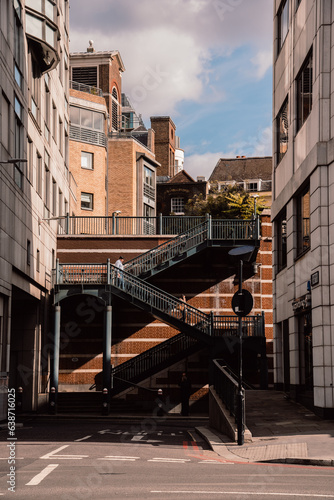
<point>303,197</point>
<point>34,128</point>
<point>88,149</point>
<point>107,133</point>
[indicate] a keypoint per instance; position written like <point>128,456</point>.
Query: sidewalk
<point>282,430</point>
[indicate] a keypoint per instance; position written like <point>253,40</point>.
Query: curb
<point>221,448</point>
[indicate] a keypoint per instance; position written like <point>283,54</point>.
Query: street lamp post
<point>13,160</point>
<point>242,304</point>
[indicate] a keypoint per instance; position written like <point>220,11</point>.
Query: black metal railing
<point>221,229</point>
<point>226,385</point>
<point>158,300</point>
<point>152,359</point>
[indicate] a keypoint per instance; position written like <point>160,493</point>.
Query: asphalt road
<point>78,460</point>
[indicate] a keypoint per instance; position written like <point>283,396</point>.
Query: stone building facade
<point>34,128</point>
<point>302,201</point>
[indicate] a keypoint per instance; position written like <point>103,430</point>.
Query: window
<point>87,160</point>
<point>281,241</point>
<point>39,174</point>
<point>283,23</point>
<point>114,114</point>
<point>61,136</point>
<point>54,197</point>
<point>149,219</point>
<point>34,77</point>
<point>149,188</point>
<point>86,201</point>
<point>28,252</point>
<point>282,127</point>
<point>18,76</point>
<point>304,91</point>
<point>30,160</point>
<point>18,37</point>
<point>38,261</point>
<point>18,137</point>
<point>54,121</point>
<point>47,111</point>
<point>86,118</point>
<point>303,222</point>
<point>5,122</point>
<point>177,205</point>
<point>47,181</point>
<point>253,186</point>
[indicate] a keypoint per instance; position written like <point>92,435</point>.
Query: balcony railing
<point>229,229</point>
<point>85,88</point>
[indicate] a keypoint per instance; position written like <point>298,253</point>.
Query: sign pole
<point>240,395</point>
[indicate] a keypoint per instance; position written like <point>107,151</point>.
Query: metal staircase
<point>153,360</point>
<point>198,328</point>
<point>209,233</point>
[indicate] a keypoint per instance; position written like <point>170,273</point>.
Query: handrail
<point>225,386</point>
<point>210,229</point>
<point>168,250</point>
<point>160,300</point>
<point>152,357</point>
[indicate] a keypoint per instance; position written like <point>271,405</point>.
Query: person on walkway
<point>120,278</point>
<point>183,308</point>
<point>185,387</point>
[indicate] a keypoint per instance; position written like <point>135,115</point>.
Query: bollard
<point>19,400</point>
<point>105,401</point>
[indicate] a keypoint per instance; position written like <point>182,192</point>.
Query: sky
<point>205,63</point>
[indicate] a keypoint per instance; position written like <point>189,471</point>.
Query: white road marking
<point>108,431</point>
<point>137,438</point>
<point>213,462</point>
<point>82,439</point>
<point>52,454</point>
<point>192,492</point>
<point>174,460</point>
<point>39,477</point>
<point>119,457</point>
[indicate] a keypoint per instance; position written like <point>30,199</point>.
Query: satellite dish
<point>244,250</point>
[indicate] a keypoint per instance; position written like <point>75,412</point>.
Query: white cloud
<point>182,38</point>
<point>203,164</point>
<point>262,61</point>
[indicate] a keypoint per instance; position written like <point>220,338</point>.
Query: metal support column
<point>107,361</point>
<point>54,375</point>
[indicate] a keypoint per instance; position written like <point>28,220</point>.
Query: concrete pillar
<point>54,375</point>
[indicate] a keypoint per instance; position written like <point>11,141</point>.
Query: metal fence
<point>229,229</point>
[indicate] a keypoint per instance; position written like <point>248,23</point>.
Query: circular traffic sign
<point>242,302</point>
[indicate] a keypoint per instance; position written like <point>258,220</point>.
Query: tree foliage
<point>233,203</point>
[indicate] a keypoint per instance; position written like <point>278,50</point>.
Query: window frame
<point>300,85</point>
<point>281,238</point>
<point>279,135</point>
<point>174,204</point>
<point>280,22</point>
<point>90,164</point>
<point>91,202</point>
<point>303,234</point>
